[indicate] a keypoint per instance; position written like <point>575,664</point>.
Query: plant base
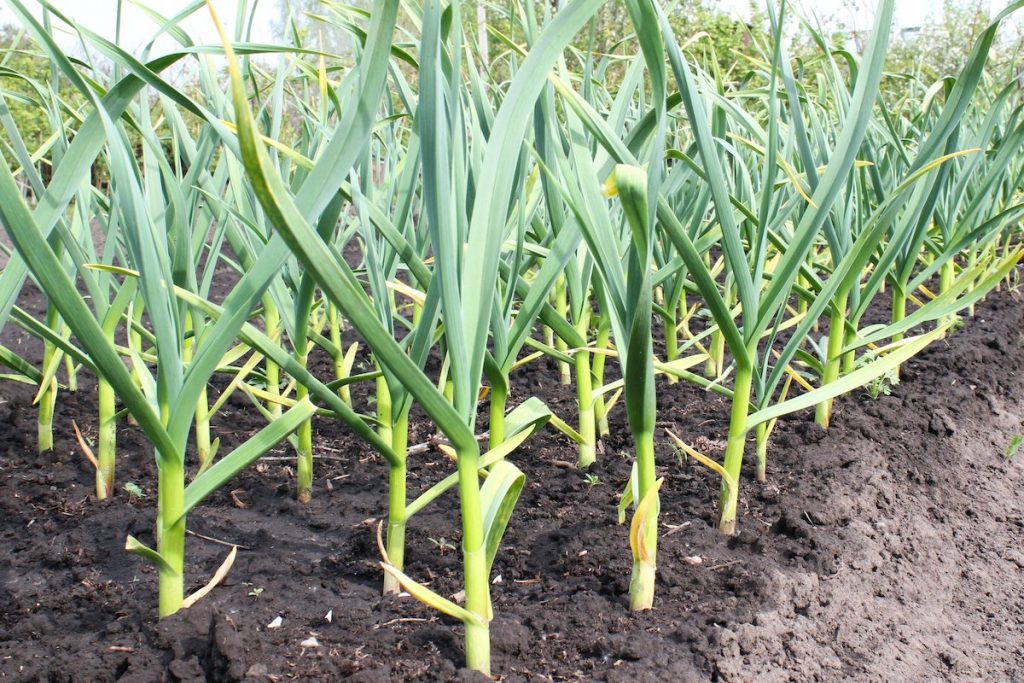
<point>641,586</point>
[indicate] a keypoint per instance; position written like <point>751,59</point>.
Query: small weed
<point>592,479</point>
<point>442,544</point>
<point>133,490</point>
<point>883,385</point>
<point>1015,443</point>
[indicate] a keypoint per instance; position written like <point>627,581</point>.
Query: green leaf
<point>902,352</point>
<point>628,494</point>
<point>531,414</point>
<point>246,454</point>
<point>137,547</point>
<point>1014,446</point>
<point>520,424</point>
<point>498,496</point>
<point>19,364</point>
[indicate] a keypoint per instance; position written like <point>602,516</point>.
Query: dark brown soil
<point>889,548</point>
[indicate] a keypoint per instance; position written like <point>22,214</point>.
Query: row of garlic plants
<point>416,204</point>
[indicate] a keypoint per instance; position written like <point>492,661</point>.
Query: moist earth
<point>887,548</point>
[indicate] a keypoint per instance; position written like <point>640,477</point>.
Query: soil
<point>888,548</point>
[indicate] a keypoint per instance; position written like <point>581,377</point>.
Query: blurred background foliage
<point>714,38</point>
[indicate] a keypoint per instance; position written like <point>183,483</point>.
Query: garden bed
<point>889,548</point>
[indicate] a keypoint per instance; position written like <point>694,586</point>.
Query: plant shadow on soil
<point>888,548</point>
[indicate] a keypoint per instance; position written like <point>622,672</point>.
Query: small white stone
<point>329,616</point>
<point>497,579</point>
<point>310,642</point>
<point>693,560</point>
<point>276,623</point>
